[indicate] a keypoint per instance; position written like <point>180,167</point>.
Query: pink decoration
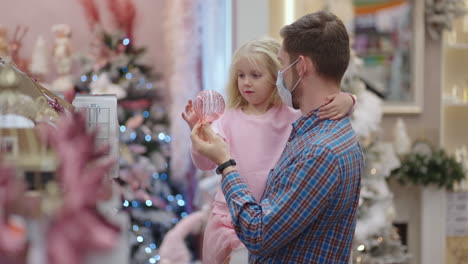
<point>55,104</point>
<point>208,105</point>
<point>182,22</point>
<point>12,237</point>
<point>77,228</point>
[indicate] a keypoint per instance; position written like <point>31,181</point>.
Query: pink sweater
<point>255,142</point>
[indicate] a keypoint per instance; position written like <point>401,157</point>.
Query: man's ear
<point>306,66</point>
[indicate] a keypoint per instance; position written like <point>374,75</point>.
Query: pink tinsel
<point>183,47</point>
<point>78,229</point>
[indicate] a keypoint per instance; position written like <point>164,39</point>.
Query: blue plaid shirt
<point>308,211</point>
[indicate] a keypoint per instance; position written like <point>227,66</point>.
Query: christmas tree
<point>376,239</point>
<point>113,66</point>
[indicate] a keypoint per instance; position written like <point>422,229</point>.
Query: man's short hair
<point>323,38</point>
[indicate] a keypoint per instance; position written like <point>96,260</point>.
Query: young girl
<point>256,127</point>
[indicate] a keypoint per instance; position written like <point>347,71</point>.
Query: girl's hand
<point>189,116</point>
<point>337,106</point>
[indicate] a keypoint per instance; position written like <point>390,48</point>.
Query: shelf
<point>456,104</point>
<point>457,46</point>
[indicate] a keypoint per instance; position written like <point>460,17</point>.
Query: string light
<point>181,202</point>
<point>126,41</point>
<point>152,260</point>
<point>179,197</point>
<point>139,239</point>
<point>123,128</point>
<point>155,175</point>
<point>149,203</point>
<point>163,176</point>
<point>133,136</point>
<point>152,245</point>
<point>126,203</point>
<point>129,75</point>
<point>149,85</point>
<point>148,138</point>
<point>161,136</point>
<point>95,78</point>
<point>135,228</point>
<point>148,224</point>
<point>135,204</point>
<point>184,214</point>
<point>170,198</point>
<point>361,248</point>
<point>84,78</point>
<point>167,139</point>
<point>373,171</point>
<point>148,250</point>
<point>145,114</point>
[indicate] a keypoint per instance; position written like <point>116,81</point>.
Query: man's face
<point>290,76</point>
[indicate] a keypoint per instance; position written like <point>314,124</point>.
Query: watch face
<point>422,147</point>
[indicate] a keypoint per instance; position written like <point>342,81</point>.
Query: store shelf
<point>457,46</point>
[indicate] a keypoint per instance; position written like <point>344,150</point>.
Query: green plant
<point>437,168</point>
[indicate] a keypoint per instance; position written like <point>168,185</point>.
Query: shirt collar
<point>306,122</point>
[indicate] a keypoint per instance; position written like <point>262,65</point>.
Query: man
<point>308,211</point>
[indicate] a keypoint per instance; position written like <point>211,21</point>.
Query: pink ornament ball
<point>208,105</point>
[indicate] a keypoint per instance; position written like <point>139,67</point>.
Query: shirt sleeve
<point>300,193</point>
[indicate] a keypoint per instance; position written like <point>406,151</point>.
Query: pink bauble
<point>208,105</point>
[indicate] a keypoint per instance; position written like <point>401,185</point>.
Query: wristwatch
<point>224,165</point>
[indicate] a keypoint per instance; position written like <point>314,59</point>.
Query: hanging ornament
<point>208,105</point>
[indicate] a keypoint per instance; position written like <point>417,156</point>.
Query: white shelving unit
<point>454,134</point>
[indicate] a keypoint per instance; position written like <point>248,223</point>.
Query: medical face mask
<point>283,91</point>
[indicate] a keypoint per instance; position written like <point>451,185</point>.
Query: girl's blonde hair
<point>263,53</point>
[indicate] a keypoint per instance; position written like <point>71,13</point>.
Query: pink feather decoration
<point>91,12</point>
<point>78,228</point>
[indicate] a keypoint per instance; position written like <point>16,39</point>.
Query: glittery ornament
<point>208,105</point>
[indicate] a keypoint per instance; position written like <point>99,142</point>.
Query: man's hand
<point>189,116</point>
<point>207,143</point>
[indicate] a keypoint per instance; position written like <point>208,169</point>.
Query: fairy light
<point>140,239</point>
<point>361,248</point>
<point>95,78</point>
<point>181,202</point>
<point>373,171</point>
<point>123,129</point>
<point>84,78</point>
<point>126,41</point>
